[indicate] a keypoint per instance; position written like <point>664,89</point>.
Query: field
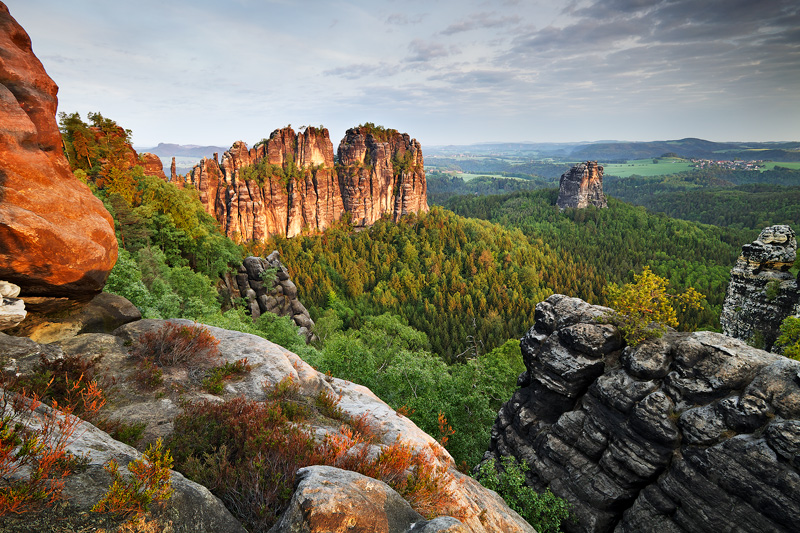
<point>646,167</point>
<point>794,165</point>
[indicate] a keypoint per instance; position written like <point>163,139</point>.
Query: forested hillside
<point>742,199</point>
<point>611,244</point>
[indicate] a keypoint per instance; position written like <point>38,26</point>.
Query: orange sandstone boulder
<point>56,238</point>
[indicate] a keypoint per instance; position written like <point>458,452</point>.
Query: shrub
<point>544,512</point>
<point>789,338</point>
<point>150,482</point>
<point>148,374</point>
<point>175,344</point>
<point>248,453</point>
<point>35,438</point>
<point>213,382</point>
<point>644,309</point>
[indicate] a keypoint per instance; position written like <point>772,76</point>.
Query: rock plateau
<point>762,291</point>
<point>688,432</point>
<point>582,186</point>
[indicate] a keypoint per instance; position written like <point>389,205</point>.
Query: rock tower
<point>762,291</point>
<point>582,186</point>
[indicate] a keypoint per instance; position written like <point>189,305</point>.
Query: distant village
<point>735,165</point>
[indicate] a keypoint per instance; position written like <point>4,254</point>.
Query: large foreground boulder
<point>688,432</point>
<point>56,238</point>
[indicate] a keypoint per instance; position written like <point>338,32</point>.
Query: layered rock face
<point>689,432</point>
<point>56,238</point>
<point>381,174</point>
<point>278,296</point>
<point>582,186</point>
<point>289,183</point>
<point>762,292</point>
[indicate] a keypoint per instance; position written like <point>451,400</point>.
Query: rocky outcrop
<point>382,172</point>
<point>582,186</point>
<point>330,499</point>
<point>57,238</point>
<point>152,165</point>
<point>276,294</point>
<point>12,309</point>
<point>288,183</point>
<point>762,291</point>
<point>192,508</point>
<point>482,510</point>
<point>688,432</point>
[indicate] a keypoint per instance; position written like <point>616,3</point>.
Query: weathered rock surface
<point>57,238</point>
<point>152,165</point>
<point>288,183</point>
<point>762,291</point>
<point>279,296</point>
<point>12,309</point>
<point>689,432</point>
<point>582,186</point>
<point>381,174</point>
<point>102,314</point>
<point>192,507</point>
<point>330,499</point>
<point>483,510</point>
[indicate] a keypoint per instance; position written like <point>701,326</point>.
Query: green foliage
<point>789,338</point>
<point>393,360</point>
<point>600,246</point>
<point>379,133</point>
<point>149,482</point>
<point>450,277</point>
<point>544,511</point>
<point>644,308</point>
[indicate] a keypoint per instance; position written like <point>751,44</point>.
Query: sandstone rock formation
<point>12,309</point>
<point>381,173</point>
<point>152,165</point>
<point>762,292</point>
<point>689,432</point>
<point>279,296</point>
<point>192,508</point>
<point>582,186</point>
<point>57,238</point>
<point>330,499</point>
<point>289,183</point>
<point>482,509</point>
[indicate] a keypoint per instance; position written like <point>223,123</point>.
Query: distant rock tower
<point>762,292</point>
<point>581,186</point>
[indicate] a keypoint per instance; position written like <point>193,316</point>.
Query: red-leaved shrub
<point>175,344</point>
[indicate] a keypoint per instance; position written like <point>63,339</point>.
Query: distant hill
<point>183,150</point>
<point>608,151</point>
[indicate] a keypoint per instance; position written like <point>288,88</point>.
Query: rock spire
<point>582,186</point>
<point>762,291</point>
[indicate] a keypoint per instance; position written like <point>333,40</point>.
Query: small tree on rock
<point>644,308</point>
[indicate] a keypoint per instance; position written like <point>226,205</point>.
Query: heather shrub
<point>248,453</point>
<point>215,378</point>
<point>35,440</point>
<point>175,344</point>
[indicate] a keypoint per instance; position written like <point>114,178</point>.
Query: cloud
<point>362,70</point>
<point>425,51</point>
<point>401,19</point>
<point>481,21</point>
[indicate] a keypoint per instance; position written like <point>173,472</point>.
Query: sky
<point>210,72</point>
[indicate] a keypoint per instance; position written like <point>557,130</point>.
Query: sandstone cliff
<point>289,183</point>
<point>57,238</point>
<point>689,432</point>
<point>762,291</point>
<point>381,173</point>
<point>582,186</point>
